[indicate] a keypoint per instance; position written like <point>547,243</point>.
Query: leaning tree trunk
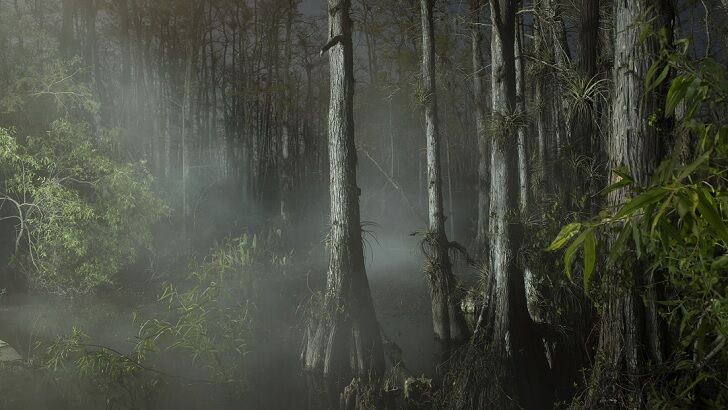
<point>512,334</point>
<point>479,71</point>
<point>447,319</point>
<point>344,341</point>
<point>636,146</point>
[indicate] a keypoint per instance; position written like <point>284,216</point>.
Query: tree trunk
<point>636,146</point>
<point>91,56</point>
<point>504,166</point>
<point>126,95</point>
<point>584,139</point>
<point>513,337</point>
<point>541,94</point>
<point>481,123</point>
<point>562,57</point>
<point>447,320</point>
<point>589,37</point>
<point>287,128</point>
<point>345,342</point>
<point>523,177</point>
<point>68,9</point>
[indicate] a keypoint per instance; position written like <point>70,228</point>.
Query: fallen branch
<point>396,186</point>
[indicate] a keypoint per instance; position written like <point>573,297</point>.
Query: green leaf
<point>636,237</point>
<point>651,85</point>
<point>720,263</point>
<point>624,180</point>
<point>618,245</point>
<point>590,257</point>
<point>692,91</point>
<point>623,173</point>
<point>567,232</point>
<point>641,201</point>
<point>711,214</point>
<point>658,216</point>
<point>572,249</point>
<point>676,93</point>
<point>615,186</point>
<point>689,169</point>
<point>687,202</point>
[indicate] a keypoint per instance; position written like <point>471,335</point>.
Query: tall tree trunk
<point>542,53</point>
<point>91,10</point>
<point>569,355</point>
<point>479,97</point>
<point>126,92</point>
<point>447,320</point>
<point>523,177</point>
<point>91,56</point>
<point>636,146</point>
<point>589,37</point>
<point>68,9</point>
<point>562,57</point>
<point>504,237</point>
<point>585,141</point>
<point>512,334</point>
<point>288,128</point>
<point>345,341</point>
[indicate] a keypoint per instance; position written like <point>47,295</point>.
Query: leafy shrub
<point>80,215</point>
<point>207,320</point>
<point>676,227</point>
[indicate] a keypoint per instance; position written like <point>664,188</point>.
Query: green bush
<point>207,320</point>
<point>676,227</point>
<point>80,215</point>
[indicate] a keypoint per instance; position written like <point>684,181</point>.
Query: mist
<point>367,204</point>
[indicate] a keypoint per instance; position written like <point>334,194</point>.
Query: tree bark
<point>287,151</point>
<point>589,37</point>
<point>68,9</point>
<point>344,342</point>
<point>523,177</point>
<point>562,57</point>
<point>512,334</point>
<point>126,92</point>
<point>636,146</point>
<point>584,139</point>
<point>541,94</point>
<point>504,166</point>
<point>447,319</point>
<point>481,124</point>
<point>91,58</point>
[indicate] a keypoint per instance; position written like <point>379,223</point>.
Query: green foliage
<point>210,320</point>
<point>119,380</point>
<point>207,321</point>
<point>583,94</point>
<point>80,215</point>
<point>676,227</point>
